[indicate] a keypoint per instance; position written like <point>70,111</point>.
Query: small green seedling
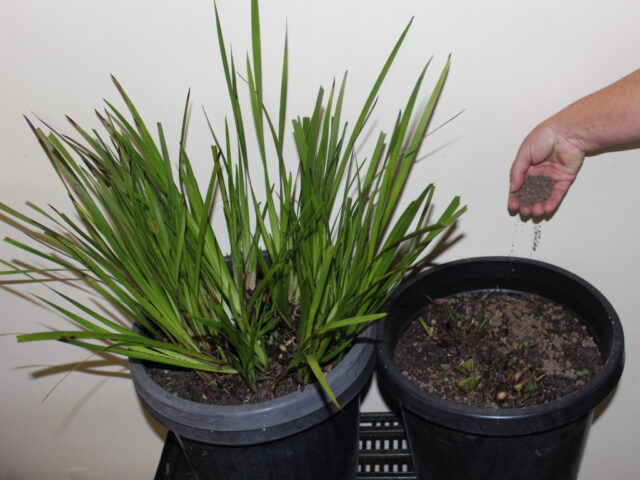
<point>429,330</point>
<point>469,384</point>
<point>456,317</point>
<point>466,368</point>
<point>486,320</point>
<point>528,389</point>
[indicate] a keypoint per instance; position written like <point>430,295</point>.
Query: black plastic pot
<point>456,442</point>
<point>298,436</point>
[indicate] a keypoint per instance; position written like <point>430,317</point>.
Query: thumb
<point>517,174</point>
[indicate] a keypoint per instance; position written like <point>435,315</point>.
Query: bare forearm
<point>606,118</point>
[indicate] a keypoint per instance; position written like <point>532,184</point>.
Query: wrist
<point>569,135</point>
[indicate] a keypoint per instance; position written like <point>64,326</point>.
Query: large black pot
<point>457,442</point>
<point>298,436</point>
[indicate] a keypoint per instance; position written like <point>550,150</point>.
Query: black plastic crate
<point>383,455</point>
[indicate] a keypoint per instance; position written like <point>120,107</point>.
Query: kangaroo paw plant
<point>318,252</point>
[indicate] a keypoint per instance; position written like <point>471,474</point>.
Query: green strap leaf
<point>321,378</point>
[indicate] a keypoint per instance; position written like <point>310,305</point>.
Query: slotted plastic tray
<point>384,454</point>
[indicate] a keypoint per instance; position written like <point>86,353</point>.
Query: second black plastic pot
<point>450,441</point>
<point>299,436</point>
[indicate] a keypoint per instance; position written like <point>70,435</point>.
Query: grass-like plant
<point>319,252</point>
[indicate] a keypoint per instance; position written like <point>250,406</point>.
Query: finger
<point>526,210</point>
<point>517,174</point>
<point>513,203</point>
<point>538,210</point>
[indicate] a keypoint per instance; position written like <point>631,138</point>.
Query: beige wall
<point>514,63</point>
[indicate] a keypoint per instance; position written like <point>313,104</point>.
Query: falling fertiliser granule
<point>537,235</point>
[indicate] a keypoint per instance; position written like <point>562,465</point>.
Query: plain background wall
<point>514,63</point>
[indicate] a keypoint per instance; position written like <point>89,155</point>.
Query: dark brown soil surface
<point>536,189</point>
<point>225,389</point>
<point>518,349</point>
<point>222,389</point>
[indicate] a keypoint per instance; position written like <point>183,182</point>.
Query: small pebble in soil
<point>536,189</point>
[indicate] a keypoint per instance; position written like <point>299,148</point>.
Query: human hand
<point>544,152</point>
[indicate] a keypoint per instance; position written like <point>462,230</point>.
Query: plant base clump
<point>495,349</point>
<point>221,389</point>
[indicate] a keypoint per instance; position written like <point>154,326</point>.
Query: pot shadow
<point>102,367</point>
<point>92,367</point>
<point>75,408</point>
<point>390,402</point>
<point>599,410</point>
<point>157,429</point>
